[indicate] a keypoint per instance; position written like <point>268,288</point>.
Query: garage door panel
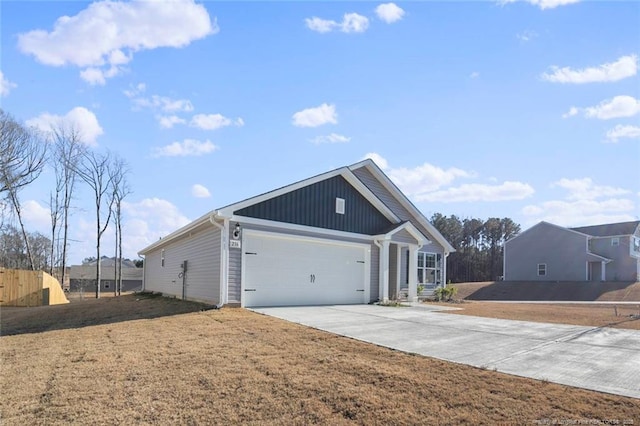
<point>302,272</point>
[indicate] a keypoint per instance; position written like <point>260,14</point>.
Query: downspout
<point>144,272</point>
<point>223,282</point>
<point>444,267</point>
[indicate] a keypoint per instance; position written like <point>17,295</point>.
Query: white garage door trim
<point>366,250</point>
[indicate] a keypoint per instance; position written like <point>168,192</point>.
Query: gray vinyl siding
<point>374,291</point>
<point>403,237</point>
<point>235,257</point>
<point>201,250</point>
<point>563,251</point>
<point>404,267</point>
<point>622,267</point>
<point>393,272</point>
<point>393,204</point>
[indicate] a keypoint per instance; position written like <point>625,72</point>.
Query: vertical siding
<point>374,290</point>
<point>393,204</point>
<point>235,270</point>
<point>201,250</point>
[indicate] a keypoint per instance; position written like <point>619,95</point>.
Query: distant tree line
<point>24,153</point>
<point>479,246</point>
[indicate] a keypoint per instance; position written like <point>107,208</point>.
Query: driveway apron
<point>600,359</point>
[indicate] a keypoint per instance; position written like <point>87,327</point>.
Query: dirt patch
<point>233,366</point>
<point>551,291</point>
<point>609,315</point>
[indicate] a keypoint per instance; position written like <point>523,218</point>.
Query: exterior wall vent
<point>340,205</point>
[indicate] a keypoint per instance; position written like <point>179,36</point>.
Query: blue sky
<point>525,109</point>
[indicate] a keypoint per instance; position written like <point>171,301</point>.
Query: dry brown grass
<point>609,315</point>
<point>146,361</point>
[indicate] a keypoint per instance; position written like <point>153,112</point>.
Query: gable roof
<point>347,174</point>
<point>609,229</point>
<point>372,167</point>
<point>544,223</point>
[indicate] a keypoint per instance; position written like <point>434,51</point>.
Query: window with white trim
<point>542,269</point>
<point>429,268</point>
<point>615,241</point>
<point>340,205</point>
<point>636,244</point>
<point>162,258</point>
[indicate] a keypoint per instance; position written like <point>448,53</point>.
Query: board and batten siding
<point>235,257</point>
<point>201,250</point>
<point>375,186</point>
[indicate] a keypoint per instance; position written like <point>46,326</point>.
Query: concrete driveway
<point>601,359</point>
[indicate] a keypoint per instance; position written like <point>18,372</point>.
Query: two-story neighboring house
<point>548,252</point>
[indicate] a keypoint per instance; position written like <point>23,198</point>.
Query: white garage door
<point>292,271</point>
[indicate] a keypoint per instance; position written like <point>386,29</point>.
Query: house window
<point>429,268</point>
<point>107,284</point>
<point>636,244</point>
<point>162,258</point>
<point>542,269</point>
<point>615,242</point>
<point>340,205</point>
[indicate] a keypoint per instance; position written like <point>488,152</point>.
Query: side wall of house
<point>201,250</point>
<point>235,258</point>
<point>623,267</point>
<point>563,252</point>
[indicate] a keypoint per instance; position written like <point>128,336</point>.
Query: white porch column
<point>413,273</point>
<point>603,271</point>
<point>384,271</point>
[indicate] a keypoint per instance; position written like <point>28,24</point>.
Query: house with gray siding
<point>83,277</point>
<point>346,236</point>
<point>548,252</point>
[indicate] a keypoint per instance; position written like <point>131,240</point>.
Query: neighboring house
<point>547,252</point>
<point>83,277</point>
<point>342,237</point>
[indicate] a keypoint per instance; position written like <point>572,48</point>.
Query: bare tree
<point>121,189</point>
<point>22,154</point>
<point>68,153</point>
<point>22,158</point>
<point>94,170</point>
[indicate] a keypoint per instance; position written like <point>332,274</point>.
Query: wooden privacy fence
<point>29,288</point>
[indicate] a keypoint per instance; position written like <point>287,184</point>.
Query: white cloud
<point>168,121</point>
<point>543,4</point>
<point>378,159</point>
<point>474,74</point>
<point>331,138</point>
<point>314,117</point>
<point>389,12</point>
<point>79,118</point>
<point>214,121</point>
<point>619,106</point>
<point>625,66</point>
<point>164,103</point>
<point>321,25</point>
<point>102,38</point>
<point>620,131</point>
<point>480,192</point>
<point>584,204</point>
<point>186,148</point>
<point>5,85</point>
<point>585,189</point>
<point>581,212</point>
<point>351,23</point>
<point>148,220</point>
<point>36,216</point>
<point>136,90</point>
<point>416,182</point>
<point>526,35</point>
<point>573,111</point>
<point>200,191</point>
